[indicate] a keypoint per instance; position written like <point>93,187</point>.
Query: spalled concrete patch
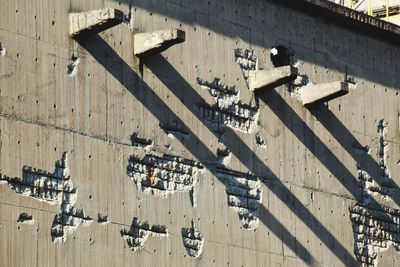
<point>244,195</point>
<point>376,227</point>
<point>228,109</point>
<point>139,232</point>
<point>72,68</point>
<point>25,218</point>
<point>66,222</point>
<point>102,219</point>
<point>55,189</point>
<point>247,61</point>
<point>193,241</point>
<point>164,175</point>
<point>2,50</point>
<point>146,144</point>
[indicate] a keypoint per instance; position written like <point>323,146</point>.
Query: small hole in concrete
<point>281,56</point>
<point>90,197</point>
<point>53,22</point>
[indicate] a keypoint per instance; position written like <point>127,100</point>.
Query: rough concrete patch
<point>72,68</point>
<point>139,232</point>
<point>128,19</point>
<point>2,50</point>
<point>137,141</point>
<point>66,222</point>
<point>228,109</point>
<point>260,141</point>
<point>224,155</point>
<point>44,186</point>
<point>165,175</point>
<point>247,61</point>
<point>55,189</point>
<point>376,228</point>
<point>244,194</point>
<point>174,130</point>
<point>193,241</point>
<point>102,219</point>
<point>25,218</point>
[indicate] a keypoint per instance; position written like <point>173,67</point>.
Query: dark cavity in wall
<point>281,56</point>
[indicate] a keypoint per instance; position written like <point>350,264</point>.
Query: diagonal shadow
<point>120,70</point>
<point>160,67</point>
<point>350,144</point>
<point>314,144</point>
<point>191,13</point>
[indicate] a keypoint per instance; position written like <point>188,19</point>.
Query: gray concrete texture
<point>111,152</point>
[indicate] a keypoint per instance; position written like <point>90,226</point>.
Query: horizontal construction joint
<point>317,93</point>
<point>271,78</point>
<point>155,42</point>
<point>92,22</point>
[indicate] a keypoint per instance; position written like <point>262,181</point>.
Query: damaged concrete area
<point>244,195</point>
<point>228,109</point>
<point>139,232</point>
<point>2,50</point>
<point>143,143</point>
<point>152,43</point>
<point>376,227</point>
<point>247,61</point>
<point>175,129</point>
<point>66,222</point>
<point>72,68</point>
<point>165,175</point>
<point>55,189</point>
<point>89,23</point>
<point>25,218</point>
<point>193,241</point>
<point>41,185</point>
<point>102,219</point>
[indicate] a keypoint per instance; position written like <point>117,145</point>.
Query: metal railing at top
<point>383,9</point>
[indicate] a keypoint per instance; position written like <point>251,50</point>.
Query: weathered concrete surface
<point>315,170</point>
<point>155,42</point>
<point>85,24</point>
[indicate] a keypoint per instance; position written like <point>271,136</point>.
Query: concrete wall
<point>316,185</point>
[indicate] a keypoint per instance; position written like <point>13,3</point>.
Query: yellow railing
<point>386,12</point>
